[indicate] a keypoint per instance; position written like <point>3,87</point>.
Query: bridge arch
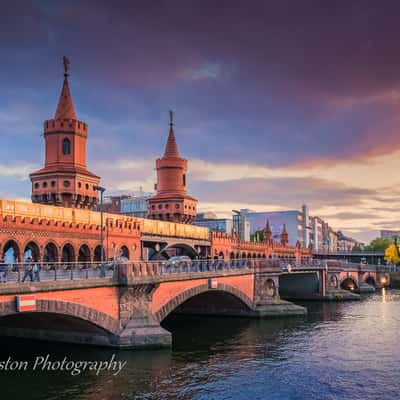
<point>68,253</point>
<point>84,254</point>
<point>97,253</point>
<point>184,248</point>
<point>32,249</point>
<point>370,280</point>
<point>349,283</point>
<point>11,248</point>
<point>124,251</point>
<point>64,308</point>
<point>193,292</point>
<point>50,252</point>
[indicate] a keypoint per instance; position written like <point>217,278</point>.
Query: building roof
<point>65,107</point>
<point>171,148</point>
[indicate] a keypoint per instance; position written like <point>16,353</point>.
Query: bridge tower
<point>171,202</point>
<point>65,180</point>
<point>284,236</point>
<point>267,233</point>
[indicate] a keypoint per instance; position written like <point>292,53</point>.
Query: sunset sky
<point>276,103</point>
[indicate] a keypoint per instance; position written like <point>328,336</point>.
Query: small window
<point>184,179</point>
<point>44,184</point>
<point>66,146</point>
<point>36,185</point>
<point>87,186</point>
<point>67,183</point>
<point>176,205</point>
<point>153,207</point>
<point>79,185</point>
<point>160,206</point>
<point>167,206</point>
<point>53,183</point>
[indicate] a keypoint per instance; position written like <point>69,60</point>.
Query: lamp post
<point>101,190</point>
<point>237,213</point>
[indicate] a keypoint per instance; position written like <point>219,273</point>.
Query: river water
<point>340,351</point>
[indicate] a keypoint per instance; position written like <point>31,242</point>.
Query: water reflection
<point>341,350</point>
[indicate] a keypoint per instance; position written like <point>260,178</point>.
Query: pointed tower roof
<point>171,149</point>
<point>267,227</point>
<point>65,107</point>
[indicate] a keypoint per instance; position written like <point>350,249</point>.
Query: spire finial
<point>171,118</point>
<point>66,63</point>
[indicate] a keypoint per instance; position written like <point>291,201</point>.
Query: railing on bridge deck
<point>36,272</point>
<point>324,264</point>
<point>97,270</point>
<point>39,272</point>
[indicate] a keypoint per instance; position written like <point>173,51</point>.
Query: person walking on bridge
<point>3,271</point>
<point>36,272</point>
<point>28,270</point>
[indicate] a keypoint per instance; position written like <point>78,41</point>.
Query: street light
<point>101,190</point>
<point>238,228</point>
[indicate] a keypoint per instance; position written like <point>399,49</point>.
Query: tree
<point>379,244</point>
<point>391,254</point>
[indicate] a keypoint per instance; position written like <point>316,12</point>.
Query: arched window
<point>66,147</point>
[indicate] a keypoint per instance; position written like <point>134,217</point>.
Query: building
<point>171,202</point>
<point>214,224</point>
<point>389,234</point>
<point>293,221</point>
<point>65,180</point>
<point>135,206</point>
<point>112,204</point>
<point>241,224</point>
<point>346,243</point>
<point>319,235</point>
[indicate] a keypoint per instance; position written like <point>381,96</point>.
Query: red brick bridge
<point>125,310</point>
<point>125,306</point>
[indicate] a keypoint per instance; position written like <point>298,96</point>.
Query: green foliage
<point>257,236</point>
<point>378,244</point>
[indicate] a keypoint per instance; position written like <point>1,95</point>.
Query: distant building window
<point>67,183</point>
<point>79,185</point>
<point>53,183</point>
<point>167,206</point>
<point>44,184</point>
<point>66,146</point>
<point>184,179</point>
<point>153,207</point>
<point>160,206</point>
<point>36,185</point>
<point>176,205</point>
<point>87,186</point>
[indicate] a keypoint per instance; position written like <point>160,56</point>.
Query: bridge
<point>124,304</point>
<point>332,280</point>
<point>370,257</point>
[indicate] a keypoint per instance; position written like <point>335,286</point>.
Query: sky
<point>277,103</point>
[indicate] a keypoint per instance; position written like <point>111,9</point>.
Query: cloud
<point>21,172</point>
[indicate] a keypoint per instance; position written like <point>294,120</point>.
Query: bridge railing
<point>45,272</point>
<point>143,268</point>
<point>37,272</point>
<point>323,264</point>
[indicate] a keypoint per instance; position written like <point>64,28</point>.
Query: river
<point>340,351</point>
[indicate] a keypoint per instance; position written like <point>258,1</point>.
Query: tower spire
<point>65,107</point>
<point>171,149</point>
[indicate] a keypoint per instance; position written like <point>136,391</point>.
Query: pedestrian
<point>3,271</point>
<point>28,270</point>
<point>36,272</point>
